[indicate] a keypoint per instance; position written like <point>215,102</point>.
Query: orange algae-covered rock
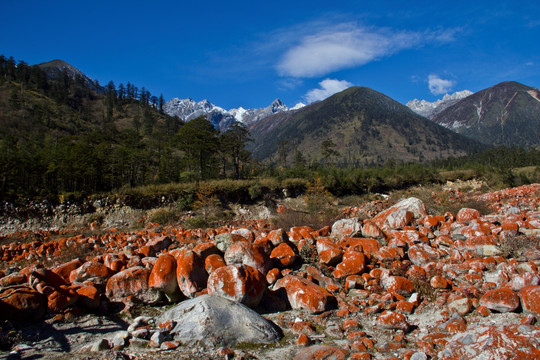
<point>353,263</point>
<point>323,352</point>
<point>241,283</point>
<point>163,277</point>
<point>303,294</point>
<point>132,282</point>
<point>530,299</point>
<point>190,273</point>
<point>503,300</point>
<point>284,255</point>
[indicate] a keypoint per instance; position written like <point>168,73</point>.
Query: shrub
<point>164,216</point>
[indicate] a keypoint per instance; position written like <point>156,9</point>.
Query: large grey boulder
<point>215,321</point>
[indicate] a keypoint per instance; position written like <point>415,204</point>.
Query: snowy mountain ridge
<point>430,109</point>
<point>189,109</point>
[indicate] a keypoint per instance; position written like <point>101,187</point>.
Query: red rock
<point>421,254</point>
<point>60,299</point>
<point>303,294</point>
<point>368,246</point>
<point>163,277</point>
<point>303,340</point>
<point>132,282</point>
<point>206,249</point>
<point>190,273</point>
<point>65,270</point>
<point>321,352</point>
<point>241,283</point>
<point>248,254</point>
<point>160,243</point>
<point>393,320</point>
<point>276,237</point>
<point>346,227</point>
<point>353,263</point>
<point>147,251</point>
<point>456,324</point>
<point>460,306</point>
<point>530,299</point>
<point>22,304</point>
<point>284,255</point>
<point>467,214</point>
<point>93,271</point>
<point>213,262</point>
<point>89,296</point>
<point>400,214</point>
<point>273,275</point>
<point>331,256</point>
<point>360,356</point>
<point>387,253</point>
<point>13,279</point>
<point>370,230</point>
<point>502,300</point>
<point>397,284</point>
<point>438,282</point>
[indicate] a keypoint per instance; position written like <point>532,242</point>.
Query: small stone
<point>502,300</point>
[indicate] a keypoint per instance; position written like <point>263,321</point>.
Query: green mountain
<point>505,114</point>
<point>367,127</point>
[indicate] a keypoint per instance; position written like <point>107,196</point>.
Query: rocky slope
<point>389,280</point>
<point>504,114</point>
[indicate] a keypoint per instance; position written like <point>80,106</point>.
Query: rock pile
<point>401,284</point>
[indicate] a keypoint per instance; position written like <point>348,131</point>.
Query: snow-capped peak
<point>298,106</point>
<point>430,109</point>
<point>188,109</point>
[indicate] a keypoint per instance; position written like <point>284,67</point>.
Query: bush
<point>164,216</point>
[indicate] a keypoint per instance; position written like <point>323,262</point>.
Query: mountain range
<point>188,109</point>
<point>365,126</point>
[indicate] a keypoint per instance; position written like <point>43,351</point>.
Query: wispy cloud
<point>327,87</point>
<point>346,45</point>
<point>439,86</point>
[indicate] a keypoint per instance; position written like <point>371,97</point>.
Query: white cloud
<point>328,87</point>
<point>344,46</point>
<point>439,86</point>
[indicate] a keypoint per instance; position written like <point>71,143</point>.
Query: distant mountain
<point>366,126</point>
<point>55,68</point>
<point>505,114</point>
<point>188,109</point>
<point>430,109</point>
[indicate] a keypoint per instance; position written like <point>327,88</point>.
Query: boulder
<point>400,214</point>
<point>249,254</point>
<point>163,277</point>
<point>322,352</point>
<point>190,273</point>
<point>132,282</point>
<point>346,227</point>
<point>241,283</point>
<point>303,294</point>
<point>214,321</point>
<point>503,300</point>
<point>22,304</point>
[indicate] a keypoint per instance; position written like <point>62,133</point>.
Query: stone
<point>321,352</point>
<point>93,271</point>
<point>89,296</point>
<point>530,299</point>
<point>502,300</point>
<point>305,295</point>
<point>467,214</point>
<point>223,241</point>
<point>65,269</point>
<point>387,219</point>
<point>216,321</point>
<point>393,320</point>
<point>241,283</point>
<point>248,254</point>
<point>346,227</point>
<point>284,255</point>
<point>213,262</point>
<point>190,273</point>
<point>22,304</point>
<point>132,282</point>
<point>353,263</point>
<point>397,284</point>
<point>460,306</point>
<point>163,277</point>
<point>421,254</point>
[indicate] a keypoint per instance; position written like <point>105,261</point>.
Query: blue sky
<point>247,53</point>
